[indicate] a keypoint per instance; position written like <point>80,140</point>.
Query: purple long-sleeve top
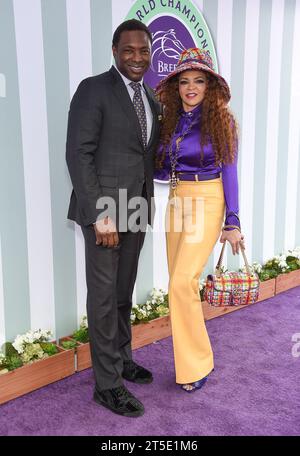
<point>189,161</point>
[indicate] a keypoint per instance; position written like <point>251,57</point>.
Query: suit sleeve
<point>84,127</point>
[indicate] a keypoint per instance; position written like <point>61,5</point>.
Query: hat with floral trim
<point>195,59</point>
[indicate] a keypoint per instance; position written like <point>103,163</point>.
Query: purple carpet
<point>254,390</point>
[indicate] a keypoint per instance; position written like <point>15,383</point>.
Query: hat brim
<point>193,66</point>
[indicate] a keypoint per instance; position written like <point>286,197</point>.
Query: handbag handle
<point>219,264</point>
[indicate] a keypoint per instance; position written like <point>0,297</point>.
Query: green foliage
<point>8,349</point>
<point>33,352</point>
<point>293,263</point>
<point>162,310</point>
<point>81,335</point>
<point>4,362</point>
<point>140,318</point>
<point>68,344</point>
<point>13,362</point>
<point>274,267</point>
<point>10,358</point>
<point>271,268</point>
<point>268,272</point>
<point>49,348</point>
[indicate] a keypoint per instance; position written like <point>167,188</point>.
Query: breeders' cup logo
<point>166,46</point>
<point>175,25</point>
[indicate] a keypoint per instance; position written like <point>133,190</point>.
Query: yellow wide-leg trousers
<point>194,220</point>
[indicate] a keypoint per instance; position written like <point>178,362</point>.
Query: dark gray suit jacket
<point>104,146</point>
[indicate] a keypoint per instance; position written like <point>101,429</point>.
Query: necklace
<point>174,156</point>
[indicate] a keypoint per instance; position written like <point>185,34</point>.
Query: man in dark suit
<point>113,131</point>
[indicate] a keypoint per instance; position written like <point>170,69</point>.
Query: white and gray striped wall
<point>46,48</point>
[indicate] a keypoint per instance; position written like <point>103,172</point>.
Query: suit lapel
<point>126,104</point>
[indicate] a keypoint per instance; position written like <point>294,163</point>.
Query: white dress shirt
<point>149,115</point>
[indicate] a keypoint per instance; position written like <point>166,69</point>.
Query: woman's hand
<point>234,237</point>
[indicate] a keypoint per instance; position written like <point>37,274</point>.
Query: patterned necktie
<point>140,109</point>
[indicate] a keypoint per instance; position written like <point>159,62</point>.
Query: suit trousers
<point>110,277</point>
<point>194,220</point>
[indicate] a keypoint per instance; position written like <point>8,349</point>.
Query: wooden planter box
<point>142,334</point>
<point>286,281</point>
<point>266,290</point>
<point>33,376</point>
<point>160,328</point>
<point>146,333</point>
<point>82,354</point>
<point>210,312</point>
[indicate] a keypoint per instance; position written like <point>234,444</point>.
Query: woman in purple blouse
<point>198,154</point>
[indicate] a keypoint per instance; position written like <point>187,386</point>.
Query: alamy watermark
<point>182,214</point>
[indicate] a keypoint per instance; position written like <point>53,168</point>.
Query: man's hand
<point>233,237</point>
<point>106,233</point>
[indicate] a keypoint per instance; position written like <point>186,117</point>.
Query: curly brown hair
<point>217,125</point>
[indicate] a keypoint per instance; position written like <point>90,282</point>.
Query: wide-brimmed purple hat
<point>195,59</point>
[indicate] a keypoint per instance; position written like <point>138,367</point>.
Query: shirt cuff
<point>232,219</point>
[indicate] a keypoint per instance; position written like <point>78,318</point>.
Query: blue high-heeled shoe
<point>195,385</point>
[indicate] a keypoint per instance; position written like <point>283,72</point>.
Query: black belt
<point>196,177</point>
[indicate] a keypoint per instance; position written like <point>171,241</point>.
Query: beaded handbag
<point>231,288</point>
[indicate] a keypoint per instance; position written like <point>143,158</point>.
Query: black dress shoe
<point>119,400</point>
<point>135,373</point>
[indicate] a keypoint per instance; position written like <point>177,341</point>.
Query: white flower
<point>157,294</point>
<point>295,253</point>
<point>283,264</point>
<point>257,267</point>
<point>30,337</point>
<point>84,322</point>
<point>18,344</point>
<point>143,311</point>
<point>280,258</point>
<point>244,269</point>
